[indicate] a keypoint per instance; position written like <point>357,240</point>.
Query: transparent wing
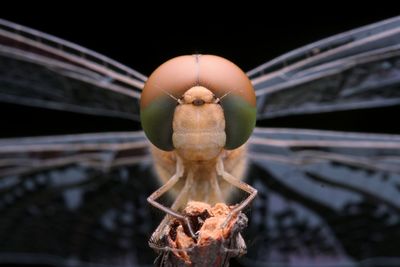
<point>37,69</point>
<point>72,199</point>
<point>353,70</point>
<point>102,151</point>
<point>326,197</point>
<point>79,198</point>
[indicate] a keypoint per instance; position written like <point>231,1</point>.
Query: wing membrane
<point>83,196</point>
<point>353,70</point>
<point>322,194</point>
<point>38,69</point>
<point>339,159</point>
<point>101,151</point>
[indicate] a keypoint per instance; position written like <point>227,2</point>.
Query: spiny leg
<point>237,183</point>
<point>158,233</point>
<point>163,189</point>
<point>240,250</point>
<point>179,200</point>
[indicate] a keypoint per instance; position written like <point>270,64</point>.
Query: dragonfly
<point>324,197</point>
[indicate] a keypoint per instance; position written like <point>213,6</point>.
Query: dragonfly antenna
<point>167,93</point>
<point>225,95</point>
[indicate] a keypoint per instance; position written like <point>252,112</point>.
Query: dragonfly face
<point>221,77</point>
<point>326,197</point>
<point>198,126</point>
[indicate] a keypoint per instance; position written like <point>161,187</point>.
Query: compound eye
<point>240,120</point>
<point>156,121</point>
<point>157,103</point>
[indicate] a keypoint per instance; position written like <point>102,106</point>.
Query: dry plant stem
<point>213,245</point>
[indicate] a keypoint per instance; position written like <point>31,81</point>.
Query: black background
<point>143,39</point>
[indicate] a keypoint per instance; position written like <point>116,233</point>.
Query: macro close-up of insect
<point>203,129</point>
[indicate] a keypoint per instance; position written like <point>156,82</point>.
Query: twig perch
<point>217,237</point>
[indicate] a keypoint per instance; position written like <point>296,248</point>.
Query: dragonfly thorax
<point>198,125</point>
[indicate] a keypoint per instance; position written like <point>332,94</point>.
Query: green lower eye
<point>240,120</point>
<point>156,121</point>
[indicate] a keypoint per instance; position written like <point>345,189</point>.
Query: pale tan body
<point>199,168</point>
<point>207,183</point>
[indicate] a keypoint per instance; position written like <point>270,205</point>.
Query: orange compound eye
<point>176,76</point>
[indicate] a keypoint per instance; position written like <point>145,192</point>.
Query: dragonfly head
<point>200,80</point>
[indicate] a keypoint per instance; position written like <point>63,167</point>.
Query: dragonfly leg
<point>239,184</point>
<point>216,189</point>
<point>178,202</point>
<point>163,189</point>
